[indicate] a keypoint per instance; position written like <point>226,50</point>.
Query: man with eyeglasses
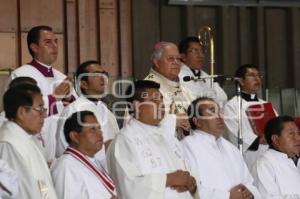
<point>93,81</point>
<point>250,82</point>
<point>56,88</point>
<point>193,57</point>
<point>275,173</point>
<point>166,62</point>
<point>24,109</point>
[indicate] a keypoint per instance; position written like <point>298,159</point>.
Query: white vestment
<point>9,180</point>
<point>218,164</point>
<point>47,86</point>
<point>176,97</point>
<point>22,154</point>
<point>73,180</point>
<point>105,117</point>
<point>276,176</point>
<point>231,121</point>
<point>140,157</point>
<point>202,88</point>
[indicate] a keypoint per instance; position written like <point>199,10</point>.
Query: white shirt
<point>22,154</point>
<point>9,180</point>
<point>231,121</point>
<point>276,176</point>
<point>139,159</point>
<point>200,88</point>
<point>73,180</point>
<point>218,164</point>
<point>47,86</point>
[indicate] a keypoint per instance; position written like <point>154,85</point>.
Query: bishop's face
<point>168,65</point>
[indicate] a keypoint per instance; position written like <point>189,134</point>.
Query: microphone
<point>216,77</point>
<point>201,78</point>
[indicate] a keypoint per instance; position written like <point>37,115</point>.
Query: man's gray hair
<point>159,49</point>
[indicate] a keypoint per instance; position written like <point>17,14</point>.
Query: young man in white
<point>145,159</point>
<point>193,57</point>
<point>93,82</point>
<point>221,170</point>
<point>24,109</point>
<point>253,144</point>
<point>275,172</point>
<point>56,88</point>
<point>77,173</point>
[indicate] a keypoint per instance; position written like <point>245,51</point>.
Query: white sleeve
<point>203,191</point>
<point>68,184</point>
<point>25,187</point>
<point>231,121</point>
<point>265,180</point>
<point>127,174</point>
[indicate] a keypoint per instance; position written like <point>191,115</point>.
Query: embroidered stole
<point>102,176</point>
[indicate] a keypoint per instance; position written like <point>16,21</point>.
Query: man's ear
<point>74,137</point>
<point>34,47</point>
<point>183,57</point>
<point>196,122</point>
<point>21,113</point>
<point>275,140</point>
<point>155,62</point>
<point>135,105</point>
<point>84,84</point>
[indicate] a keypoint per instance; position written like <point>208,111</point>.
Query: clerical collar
<point>43,68</point>
<point>94,100</point>
<point>196,73</point>
<point>249,97</point>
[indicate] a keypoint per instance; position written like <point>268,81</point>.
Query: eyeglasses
<point>38,109</point>
<point>252,75</point>
<point>195,51</point>
<point>173,59</point>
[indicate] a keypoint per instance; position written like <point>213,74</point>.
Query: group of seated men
<point>56,142</point>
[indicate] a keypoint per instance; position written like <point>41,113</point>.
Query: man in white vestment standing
<point>92,80</point>
<point>193,57</point>
<point>250,82</point>
<point>24,109</point>
<point>166,62</point>
<point>275,172</point>
<point>77,174</point>
<point>220,168</point>
<point>145,159</point>
<point>56,88</point>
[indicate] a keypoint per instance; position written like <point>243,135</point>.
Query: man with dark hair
<point>145,158</point>
<point>253,144</point>
<point>77,173</point>
<point>220,168</point>
<point>93,81</point>
<point>193,57</point>
<point>24,109</point>
<point>275,173</point>
<point>56,88</point>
